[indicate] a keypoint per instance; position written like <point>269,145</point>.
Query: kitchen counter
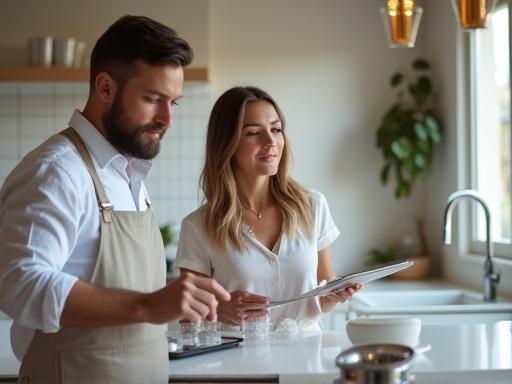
<point>461,353</point>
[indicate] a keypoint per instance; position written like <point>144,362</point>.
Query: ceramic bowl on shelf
<point>385,330</point>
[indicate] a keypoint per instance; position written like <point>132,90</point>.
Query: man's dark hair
<point>133,38</point>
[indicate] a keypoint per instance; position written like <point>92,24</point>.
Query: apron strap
<point>101,196</point>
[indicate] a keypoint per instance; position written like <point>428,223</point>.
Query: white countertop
<point>463,352</point>
<point>455,349</point>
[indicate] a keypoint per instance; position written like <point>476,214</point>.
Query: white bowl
<point>385,330</point>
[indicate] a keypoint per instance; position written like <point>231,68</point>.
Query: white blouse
<point>285,272</point>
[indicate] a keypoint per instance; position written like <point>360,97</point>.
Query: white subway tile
<point>8,106</point>
<point>8,89</point>
<point>64,89</point>
<point>36,106</point>
<point>36,89</point>
<point>8,148</point>
<point>9,126</point>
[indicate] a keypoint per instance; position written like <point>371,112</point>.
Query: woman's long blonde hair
<point>223,210</point>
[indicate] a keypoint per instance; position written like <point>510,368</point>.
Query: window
<point>491,142</point>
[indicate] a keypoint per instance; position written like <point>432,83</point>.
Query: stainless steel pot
<point>375,364</point>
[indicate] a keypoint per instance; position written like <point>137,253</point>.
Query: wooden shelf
<point>56,74</point>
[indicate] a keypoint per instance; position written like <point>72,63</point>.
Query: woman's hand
<point>241,306</point>
<point>328,301</point>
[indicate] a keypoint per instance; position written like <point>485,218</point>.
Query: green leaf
<point>422,89</point>
<point>421,64</point>
<point>396,79</point>
<point>424,85</point>
<point>384,174</point>
<point>433,128</point>
<point>401,148</point>
<point>167,234</point>
<point>420,161</point>
<point>421,131</point>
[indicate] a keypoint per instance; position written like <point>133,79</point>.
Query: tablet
<point>343,282</point>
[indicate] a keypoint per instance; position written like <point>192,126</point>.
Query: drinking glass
<point>189,332</point>
<point>256,328</point>
<point>209,333</point>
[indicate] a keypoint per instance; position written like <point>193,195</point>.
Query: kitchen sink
<point>425,303</point>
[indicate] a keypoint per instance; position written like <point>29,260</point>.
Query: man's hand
<point>190,297</point>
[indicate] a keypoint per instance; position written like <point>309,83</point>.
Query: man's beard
<point>127,137</point>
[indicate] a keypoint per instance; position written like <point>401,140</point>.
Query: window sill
<point>474,258</point>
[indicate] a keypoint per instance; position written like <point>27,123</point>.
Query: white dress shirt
<point>50,225</point>
<point>287,271</point>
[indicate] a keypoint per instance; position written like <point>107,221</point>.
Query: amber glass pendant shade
<point>401,20</point>
<point>472,14</point>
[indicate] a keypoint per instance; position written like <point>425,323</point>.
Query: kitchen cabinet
<point>56,74</point>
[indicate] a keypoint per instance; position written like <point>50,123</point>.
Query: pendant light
<point>472,14</point>
<point>401,20</point>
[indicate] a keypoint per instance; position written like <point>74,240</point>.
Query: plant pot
<point>419,270</point>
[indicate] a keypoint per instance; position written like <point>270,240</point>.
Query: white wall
<point>441,48</point>
<point>327,64</point>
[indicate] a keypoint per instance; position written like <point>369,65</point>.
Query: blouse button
<point>275,279</point>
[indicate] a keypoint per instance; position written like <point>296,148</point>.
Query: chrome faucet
<point>491,278</point>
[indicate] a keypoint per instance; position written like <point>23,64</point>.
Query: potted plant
<point>407,136</point>
<point>378,256</point>
<point>407,249</point>
<point>168,238</point>
<point>409,130</point>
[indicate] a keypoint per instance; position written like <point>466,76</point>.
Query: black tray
<point>226,342</point>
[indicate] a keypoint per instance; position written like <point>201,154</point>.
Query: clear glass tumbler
<point>209,334</point>
<point>256,328</point>
<point>190,332</point>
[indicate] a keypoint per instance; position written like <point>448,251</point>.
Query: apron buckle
<point>106,211</point>
<point>106,206</point>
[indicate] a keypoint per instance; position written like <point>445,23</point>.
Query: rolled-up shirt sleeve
<point>192,250</point>
<point>40,211</point>
<point>327,231</point>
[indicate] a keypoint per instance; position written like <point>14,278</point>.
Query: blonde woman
<point>260,234</point>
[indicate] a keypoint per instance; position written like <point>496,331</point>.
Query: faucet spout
<point>491,279</point>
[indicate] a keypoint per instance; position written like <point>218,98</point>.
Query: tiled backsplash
<point>31,112</point>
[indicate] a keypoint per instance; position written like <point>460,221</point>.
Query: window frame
<point>472,246</point>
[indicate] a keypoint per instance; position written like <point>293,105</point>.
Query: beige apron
<point>131,256</point>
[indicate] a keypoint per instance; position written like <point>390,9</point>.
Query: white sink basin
<point>428,302</point>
